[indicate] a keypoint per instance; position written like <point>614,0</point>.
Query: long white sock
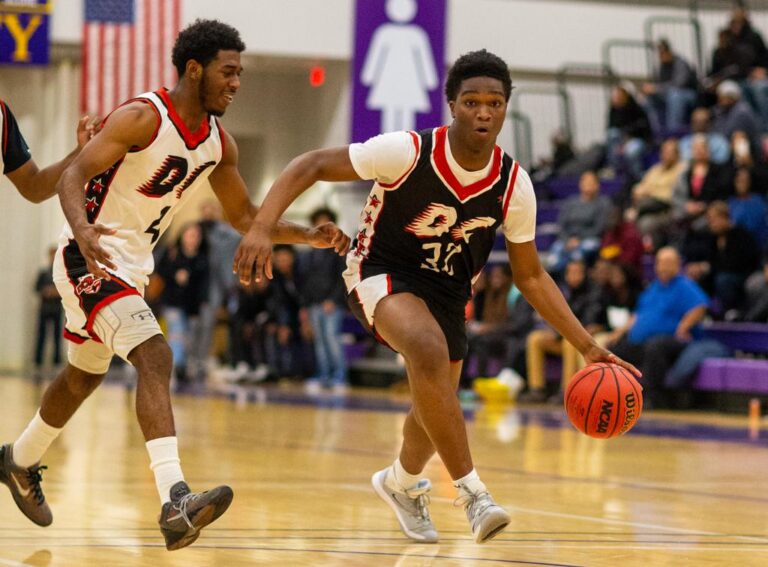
<point>34,441</point>
<point>165,463</point>
<point>470,483</point>
<point>401,479</point>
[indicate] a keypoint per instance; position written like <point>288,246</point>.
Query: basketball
<point>603,400</point>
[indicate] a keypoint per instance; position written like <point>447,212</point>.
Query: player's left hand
<point>87,128</point>
<point>599,354</point>
<point>254,255</point>
<point>328,235</point>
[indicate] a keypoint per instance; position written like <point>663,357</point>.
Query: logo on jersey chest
<point>437,219</point>
<point>172,175</point>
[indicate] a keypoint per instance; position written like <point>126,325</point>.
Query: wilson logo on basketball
<point>630,402</point>
<point>605,416</point>
<point>88,284</point>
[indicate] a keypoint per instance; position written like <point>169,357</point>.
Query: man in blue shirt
<point>665,321</point>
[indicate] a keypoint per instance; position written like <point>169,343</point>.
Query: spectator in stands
<point>293,328</point>
<point>253,316</point>
<point>624,287</point>
<point>743,157</point>
<point>730,61</point>
<point>49,314</point>
<point>748,210</point>
<point>723,258</point>
<point>222,241</point>
<point>702,183</point>
<point>586,301</point>
<point>751,42</point>
<point>621,240</point>
<point>184,270</point>
<point>581,221</point>
<point>673,92</point>
<point>629,132</point>
<point>732,114</point>
<point>719,147</point>
<point>324,299</point>
<point>757,295</point>
<point>665,320</point>
<point>652,196</point>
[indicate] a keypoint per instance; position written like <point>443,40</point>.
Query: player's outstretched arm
<point>130,126</point>
<point>37,185</point>
<point>230,189</point>
<point>255,250</point>
<point>540,291</point>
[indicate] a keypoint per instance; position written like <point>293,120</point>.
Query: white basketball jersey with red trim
<point>140,194</point>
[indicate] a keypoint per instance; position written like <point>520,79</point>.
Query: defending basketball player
<point>34,184</point>
<point>137,172</point>
<point>426,231</point>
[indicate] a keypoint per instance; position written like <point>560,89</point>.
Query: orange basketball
<point>603,400</point>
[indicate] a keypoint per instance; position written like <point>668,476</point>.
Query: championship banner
<point>398,66</point>
<point>24,35</point>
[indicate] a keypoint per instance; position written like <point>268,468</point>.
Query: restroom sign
<point>24,36</point>
<point>399,66</point>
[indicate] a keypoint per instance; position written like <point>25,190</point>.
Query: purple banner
<point>24,32</point>
<point>398,66</point>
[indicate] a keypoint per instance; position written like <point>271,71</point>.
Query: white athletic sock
<point>400,479</point>
<point>34,441</point>
<point>165,463</point>
<point>470,483</point>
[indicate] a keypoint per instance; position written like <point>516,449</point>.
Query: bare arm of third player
<point>133,126</point>
<point>335,165</point>
<point>37,185</point>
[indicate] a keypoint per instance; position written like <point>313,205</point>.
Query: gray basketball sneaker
<point>486,518</point>
<point>410,507</point>
<point>188,512</point>
<point>24,484</point>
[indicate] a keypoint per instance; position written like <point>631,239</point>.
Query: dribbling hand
<point>599,354</point>
<point>95,256</point>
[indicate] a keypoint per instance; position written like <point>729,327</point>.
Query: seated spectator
<point>582,222</point>
<point>501,327</point>
<point>750,41</point>
<point>757,295</point>
<point>586,302</point>
<point>719,147</point>
<point>652,196</point>
<point>324,298</point>
<point>744,158</point>
<point>730,61</point>
<point>723,258</point>
<point>665,320</point>
<point>621,241</point>
<point>629,133</point>
<point>749,211</point>
<point>673,92</point>
<point>732,114</point>
<point>702,183</point>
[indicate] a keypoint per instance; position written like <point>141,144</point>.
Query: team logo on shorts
<point>145,315</point>
<point>88,284</point>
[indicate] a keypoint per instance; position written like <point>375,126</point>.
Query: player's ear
<point>194,70</point>
<point>452,105</point>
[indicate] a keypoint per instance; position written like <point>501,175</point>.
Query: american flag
<point>126,50</point>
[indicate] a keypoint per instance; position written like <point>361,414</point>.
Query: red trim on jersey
<point>416,139</point>
<point>84,73</point>
<point>77,339</point>
<point>191,139</point>
<point>69,277</point>
<point>441,162</point>
<point>103,303</point>
<point>373,234</point>
<point>108,184</point>
<point>510,190</point>
<point>389,284</point>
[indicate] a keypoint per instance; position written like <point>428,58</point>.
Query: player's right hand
<point>87,238</point>
<point>254,255</point>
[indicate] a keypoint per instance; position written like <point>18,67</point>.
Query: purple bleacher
<point>747,376</point>
<point>544,241</point>
<point>709,377</point>
<point>745,337</point>
<point>547,212</point>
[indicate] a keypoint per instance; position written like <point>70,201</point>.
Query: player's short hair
<point>477,64</point>
<point>202,41</point>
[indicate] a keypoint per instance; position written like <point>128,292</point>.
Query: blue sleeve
<point>692,295</point>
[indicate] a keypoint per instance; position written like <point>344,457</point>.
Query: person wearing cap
<point>732,114</point>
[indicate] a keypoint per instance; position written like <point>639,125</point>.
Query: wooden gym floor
<point>678,490</point>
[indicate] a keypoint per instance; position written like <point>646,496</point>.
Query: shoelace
<point>421,501</point>
<point>35,477</point>
<point>182,504</point>
<point>474,504</point>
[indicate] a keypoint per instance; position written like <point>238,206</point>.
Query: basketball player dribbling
<point>137,172</point>
<point>16,163</point>
<point>426,231</point>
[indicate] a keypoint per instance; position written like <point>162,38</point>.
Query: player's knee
<point>82,383</point>
<point>428,355</point>
<point>152,357</point>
